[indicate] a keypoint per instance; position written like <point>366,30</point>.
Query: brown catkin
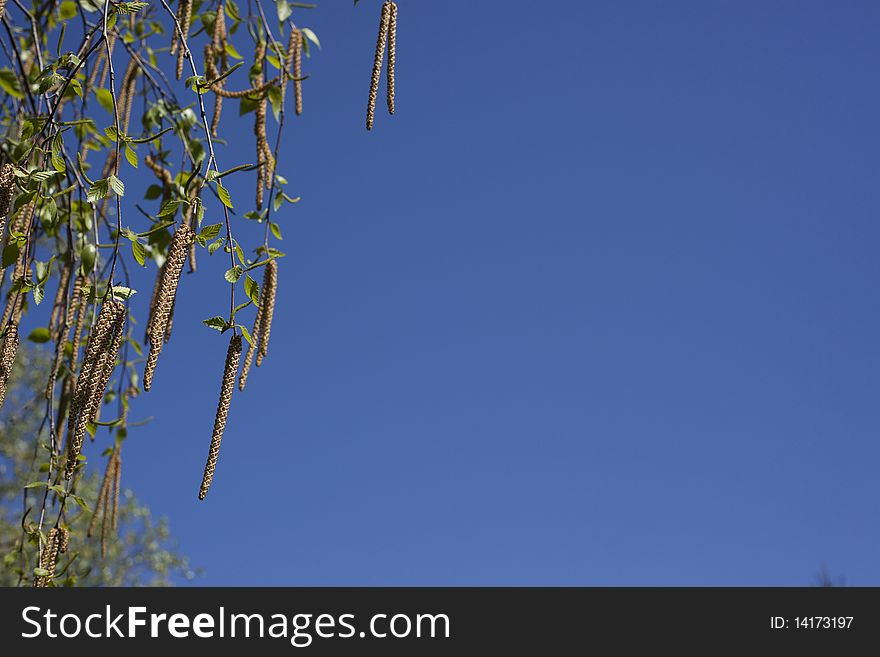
<point>267,301</point>
<point>377,64</point>
<point>63,405</point>
<point>294,64</point>
<point>218,110</point>
<point>177,254</point>
<point>184,15</point>
<point>129,87</point>
<point>163,174</point>
<point>98,364</point>
<point>103,495</point>
<point>170,325</point>
<point>7,190</point>
<point>252,348</point>
<point>64,307</point>
<point>117,476</point>
<point>59,306</point>
<point>2,8</point>
<point>392,53</point>
<point>189,217</point>
<point>8,350</point>
<point>49,557</point>
<point>260,124</point>
<point>256,90</point>
<point>63,540</point>
<point>233,355</point>
<point>153,297</point>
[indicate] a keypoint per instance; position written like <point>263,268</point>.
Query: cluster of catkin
<point>57,543</point>
<point>230,369</point>
<point>262,322</point>
<point>97,366</point>
<point>387,32</point>
<point>165,293</point>
<point>184,19</point>
<point>107,505</point>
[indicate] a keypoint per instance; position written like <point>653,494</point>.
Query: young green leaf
<point>217,322</point>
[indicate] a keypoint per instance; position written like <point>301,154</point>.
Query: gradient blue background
<point>598,306</point>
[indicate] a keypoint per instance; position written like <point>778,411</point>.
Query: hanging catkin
<point>189,218</point>
<point>217,48</point>
<point>97,366</point>
<point>59,306</point>
<point>377,63</point>
<point>392,53</point>
<point>8,349</point>
<point>163,174</point>
<point>56,542</point>
<point>2,8</point>
<point>7,189</point>
<point>267,301</point>
<point>128,89</point>
<point>165,296</point>
<point>294,63</point>
<point>117,477</point>
<point>184,16</point>
<point>260,125</point>
<point>252,348</point>
<point>62,323</point>
<point>233,354</point>
<point>153,298</point>
<point>103,494</point>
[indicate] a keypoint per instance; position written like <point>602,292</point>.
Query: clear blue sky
<point>598,306</point>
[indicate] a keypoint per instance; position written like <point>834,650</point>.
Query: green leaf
<point>213,246</point>
<point>88,255</point>
<point>10,254</point>
<point>131,156</point>
<point>274,94</point>
<point>276,231</point>
<point>224,196</point>
<point>105,98</point>
<point>210,232</point>
<point>217,322</point>
<point>39,293</point>
<point>99,189</point>
<point>116,185</point>
<point>232,275</point>
<point>277,201</point>
<point>9,83</point>
<point>58,161</point>
<point>41,572</point>
<point>81,502</point>
<point>36,484</point>
<point>247,335</point>
<point>153,192</point>
<point>311,36</point>
<point>122,292</point>
<point>251,289</point>
<point>129,7</point>
<point>169,208</point>
<point>284,10</point>
<point>139,251</point>
<point>232,52</point>
<point>40,335</point>
<point>246,105</point>
<point>240,255</point>
<point>68,10</point>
